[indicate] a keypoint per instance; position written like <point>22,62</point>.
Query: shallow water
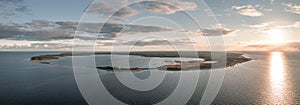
<point>271,78</point>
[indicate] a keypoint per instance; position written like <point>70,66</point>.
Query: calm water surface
<point>271,78</point>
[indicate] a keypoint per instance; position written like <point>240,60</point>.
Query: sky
<point>105,25</point>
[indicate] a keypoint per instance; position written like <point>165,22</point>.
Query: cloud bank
<point>49,34</point>
<point>47,30</point>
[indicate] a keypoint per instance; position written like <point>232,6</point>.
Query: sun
<point>276,36</point>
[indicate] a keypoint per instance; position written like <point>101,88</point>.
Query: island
<point>209,62</point>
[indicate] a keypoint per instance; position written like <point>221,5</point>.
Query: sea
<point>269,78</point>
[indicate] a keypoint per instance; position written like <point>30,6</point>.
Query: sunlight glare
<point>277,76</point>
<point>276,36</point>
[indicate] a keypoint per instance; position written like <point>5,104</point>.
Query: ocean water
<point>270,78</point>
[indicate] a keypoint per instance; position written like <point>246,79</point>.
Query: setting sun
<point>276,36</point>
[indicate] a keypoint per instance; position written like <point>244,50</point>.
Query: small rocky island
<point>209,62</point>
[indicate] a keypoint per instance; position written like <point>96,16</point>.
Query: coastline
<point>215,62</point>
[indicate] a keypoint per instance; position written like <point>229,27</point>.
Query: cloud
<point>112,30</point>
<point>23,44</point>
<point>40,25</point>
<point>292,8</point>
<point>49,34</point>
<point>248,10</point>
<point>110,8</point>
<point>172,7</point>
<point>53,44</point>
<point>47,30</point>
<point>261,25</point>
<point>112,27</point>
<point>67,44</point>
<point>35,30</point>
<point>10,8</point>
<point>289,46</point>
<point>267,10</point>
<point>272,25</point>
<point>212,32</point>
<point>125,13</point>
<point>295,25</point>
<point>272,1</point>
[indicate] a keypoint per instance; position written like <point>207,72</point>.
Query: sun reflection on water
<point>277,77</point>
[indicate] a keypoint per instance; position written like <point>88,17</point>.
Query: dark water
<point>25,82</point>
<point>271,78</point>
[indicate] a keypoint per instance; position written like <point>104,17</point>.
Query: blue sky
<point>266,25</point>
